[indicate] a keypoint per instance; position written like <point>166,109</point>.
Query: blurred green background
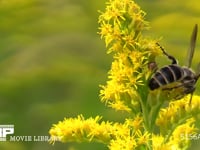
<point>52,61</point>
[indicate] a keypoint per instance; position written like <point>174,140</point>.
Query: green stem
<point>155,110</point>
<point>145,112</point>
<point>145,115</point>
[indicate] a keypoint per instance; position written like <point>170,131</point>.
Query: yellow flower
<point>105,29</point>
<point>119,105</point>
<point>183,134</point>
<point>127,143</point>
<point>78,129</point>
<point>158,143</point>
<point>135,123</point>
<point>143,138</point>
<point>177,111</point>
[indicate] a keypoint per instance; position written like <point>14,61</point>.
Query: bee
<point>176,77</point>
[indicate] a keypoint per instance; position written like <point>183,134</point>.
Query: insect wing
<point>174,90</point>
<point>192,46</point>
<point>198,70</point>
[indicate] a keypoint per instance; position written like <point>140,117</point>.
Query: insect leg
<point>190,98</point>
<point>174,61</point>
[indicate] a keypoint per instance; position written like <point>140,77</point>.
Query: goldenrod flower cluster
<point>118,136</point>
<point>155,122</point>
<point>121,26</point>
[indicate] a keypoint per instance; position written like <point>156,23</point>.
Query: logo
<point>5,130</point>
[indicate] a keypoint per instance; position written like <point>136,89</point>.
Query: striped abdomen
<point>166,75</point>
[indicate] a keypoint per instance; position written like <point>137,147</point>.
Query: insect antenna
<point>192,46</point>
<point>174,61</point>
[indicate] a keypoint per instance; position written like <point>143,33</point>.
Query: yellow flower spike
<point>126,20</point>
<point>80,130</point>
